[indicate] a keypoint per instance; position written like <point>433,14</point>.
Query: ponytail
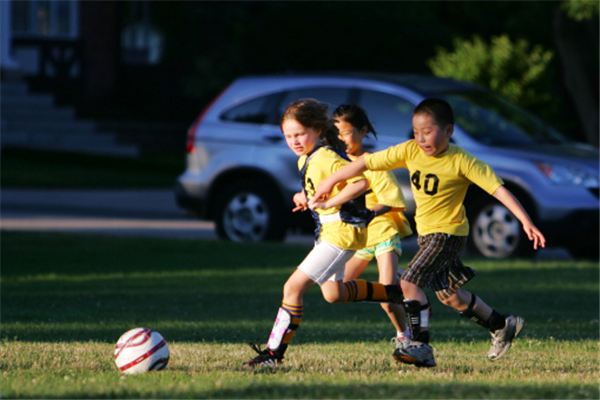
<point>355,115</point>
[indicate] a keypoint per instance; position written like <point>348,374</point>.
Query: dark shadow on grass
<point>400,390</point>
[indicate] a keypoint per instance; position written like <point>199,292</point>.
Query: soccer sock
<point>296,312</point>
<point>423,337</point>
<point>361,290</point>
<point>402,335</point>
<point>496,321</point>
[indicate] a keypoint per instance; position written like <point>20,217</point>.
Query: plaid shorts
<point>437,264</point>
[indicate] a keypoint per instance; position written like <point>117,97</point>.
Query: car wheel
<point>249,212</point>
<point>496,233</point>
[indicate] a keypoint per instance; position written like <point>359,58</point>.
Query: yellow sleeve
<point>386,189</point>
<point>384,160</point>
<point>482,174</point>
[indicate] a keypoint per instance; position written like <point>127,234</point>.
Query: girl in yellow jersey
<point>341,221</point>
<point>386,230</point>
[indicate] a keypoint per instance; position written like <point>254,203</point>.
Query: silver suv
<point>241,174</point>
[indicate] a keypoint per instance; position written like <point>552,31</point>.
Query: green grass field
<point>66,299</point>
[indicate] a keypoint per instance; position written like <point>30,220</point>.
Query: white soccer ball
<point>141,350</point>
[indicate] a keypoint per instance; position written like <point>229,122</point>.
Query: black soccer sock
<point>423,337</point>
<point>496,321</point>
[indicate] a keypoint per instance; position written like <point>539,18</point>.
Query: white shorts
<point>326,262</point>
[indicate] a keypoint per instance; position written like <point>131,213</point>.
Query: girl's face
<point>430,137</point>
<point>300,139</point>
<point>350,135</point>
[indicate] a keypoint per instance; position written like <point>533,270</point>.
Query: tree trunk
<point>575,79</point>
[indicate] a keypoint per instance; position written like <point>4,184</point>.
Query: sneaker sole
<point>402,358</point>
<point>518,329</point>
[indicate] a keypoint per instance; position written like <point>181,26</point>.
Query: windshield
<point>493,120</point>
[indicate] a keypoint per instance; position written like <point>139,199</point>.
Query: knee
<point>451,301</point>
<point>332,297</point>
<point>290,290</point>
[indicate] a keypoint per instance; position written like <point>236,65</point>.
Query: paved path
<point>112,212</point>
<point>126,212</point>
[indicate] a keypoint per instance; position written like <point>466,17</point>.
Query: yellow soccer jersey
<point>323,163</point>
<point>439,184</point>
<point>386,190</point>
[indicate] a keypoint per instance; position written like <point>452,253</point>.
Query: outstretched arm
<point>504,196</point>
<point>348,171</point>
<point>349,192</point>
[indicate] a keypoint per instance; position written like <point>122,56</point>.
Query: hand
<point>300,202</point>
<point>318,204</point>
<point>535,235</point>
<point>322,193</point>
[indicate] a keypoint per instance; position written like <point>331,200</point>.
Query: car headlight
<point>567,176</point>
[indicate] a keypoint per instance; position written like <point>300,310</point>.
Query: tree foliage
<point>580,10</point>
<point>507,67</point>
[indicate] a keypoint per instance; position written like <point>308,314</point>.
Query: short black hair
<point>438,109</point>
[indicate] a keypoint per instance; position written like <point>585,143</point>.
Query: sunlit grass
<point>67,298</point>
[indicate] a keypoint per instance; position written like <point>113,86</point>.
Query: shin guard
<point>472,315</point>
<point>280,328</point>
<point>418,317</point>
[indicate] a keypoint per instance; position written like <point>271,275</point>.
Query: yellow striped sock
<point>361,290</point>
<point>296,311</point>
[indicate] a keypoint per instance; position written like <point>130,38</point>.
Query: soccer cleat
<point>265,357</point>
<point>502,338</point>
<point>417,353</point>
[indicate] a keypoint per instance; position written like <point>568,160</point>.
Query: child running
<point>440,175</point>
<point>311,135</point>
<point>385,231</point>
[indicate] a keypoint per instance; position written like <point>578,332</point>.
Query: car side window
<point>253,111</point>
<point>332,96</point>
<point>390,115</point>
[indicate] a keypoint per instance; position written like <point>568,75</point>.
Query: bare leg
<point>354,268</point>
<point>388,275</point>
<point>295,287</point>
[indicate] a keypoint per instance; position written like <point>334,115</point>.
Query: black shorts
<point>437,264</point>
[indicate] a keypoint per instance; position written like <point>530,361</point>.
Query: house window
<point>141,42</point>
<point>51,19</point>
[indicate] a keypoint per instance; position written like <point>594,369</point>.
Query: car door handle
<point>273,138</point>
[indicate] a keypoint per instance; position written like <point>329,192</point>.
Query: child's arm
<point>349,192</point>
<point>325,187</point>
<point>300,202</point>
<point>506,197</point>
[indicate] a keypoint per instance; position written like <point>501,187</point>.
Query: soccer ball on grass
<point>141,350</point>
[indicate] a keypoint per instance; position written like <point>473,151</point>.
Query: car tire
<point>496,233</point>
<point>249,211</point>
